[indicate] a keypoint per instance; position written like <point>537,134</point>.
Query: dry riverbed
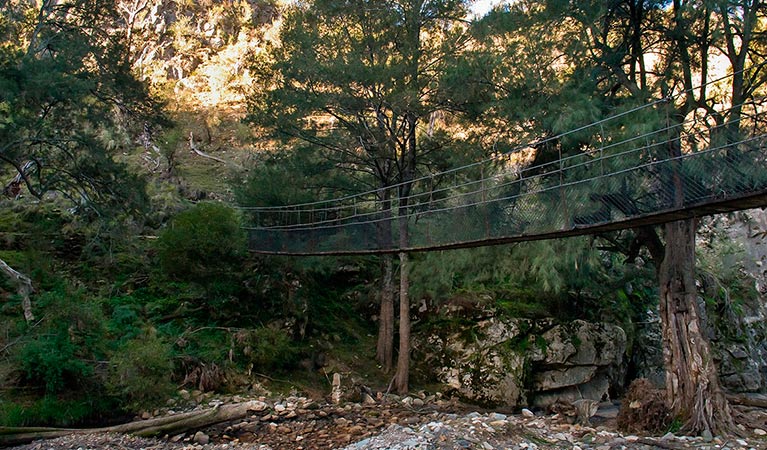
<point>410,423</point>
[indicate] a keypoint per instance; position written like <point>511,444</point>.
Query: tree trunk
<point>692,384</point>
<point>385,345</point>
<point>24,288</point>
<point>175,424</point>
<point>403,358</point>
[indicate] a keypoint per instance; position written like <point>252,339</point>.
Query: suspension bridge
<point>635,168</point>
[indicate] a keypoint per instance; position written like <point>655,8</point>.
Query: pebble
<point>201,438</point>
<point>759,432</point>
<point>559,437</point>
<point>398,427</point>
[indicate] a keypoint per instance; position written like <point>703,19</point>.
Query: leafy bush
<point>140,371</point>
<point>202,242</point>
<point>269,349</point>
<point>51,361</point>
<point>266,348</point>
<point>60,355</point>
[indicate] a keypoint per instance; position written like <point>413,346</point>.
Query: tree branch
<point>24,288</point>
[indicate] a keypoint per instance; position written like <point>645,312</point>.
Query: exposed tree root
<point>756,400</point>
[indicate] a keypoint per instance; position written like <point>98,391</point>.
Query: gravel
<point>394,427</point>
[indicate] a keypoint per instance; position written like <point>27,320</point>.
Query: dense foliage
<point>117,214</point>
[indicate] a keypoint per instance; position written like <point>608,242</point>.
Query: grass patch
<point>54,412</point>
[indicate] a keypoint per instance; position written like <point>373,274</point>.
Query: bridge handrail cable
<point>514,171</point>
<point>486,188</point>
<point>515,149</point>
<point>302,227</point>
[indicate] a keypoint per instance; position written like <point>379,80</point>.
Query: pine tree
<point>68,102</point>
<point>359,79</point>
<point>602,50</point>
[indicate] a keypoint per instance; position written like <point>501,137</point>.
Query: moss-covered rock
<point>516,362</point>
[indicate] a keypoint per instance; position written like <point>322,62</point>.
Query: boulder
<point>566,376</point>
<point>577,360</point>
<point>596,389</point>
<point>490,376</point>
<point>581,343</point>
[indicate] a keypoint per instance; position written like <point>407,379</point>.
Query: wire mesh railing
<point>628,177</point>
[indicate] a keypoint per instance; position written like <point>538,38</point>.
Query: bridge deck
<point>755,200</point>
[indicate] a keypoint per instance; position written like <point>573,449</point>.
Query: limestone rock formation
<point>518,362</point>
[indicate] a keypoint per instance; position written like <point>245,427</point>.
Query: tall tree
<point>624,52</point>
<point>68,102</point>
<point>359,79</point>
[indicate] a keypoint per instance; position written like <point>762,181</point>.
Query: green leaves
<point>355,80</point>
<point>68,102</point>
<point>201,242</point>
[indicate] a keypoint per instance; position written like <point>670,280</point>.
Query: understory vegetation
<point>135,138</point>
<point>124,320</point>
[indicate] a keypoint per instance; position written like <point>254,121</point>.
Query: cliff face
<point>738,318</point>
<point>198,50</point>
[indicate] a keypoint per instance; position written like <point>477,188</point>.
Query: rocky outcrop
<point>737,319</point>
<point>201,49</point>
<point>481,364</point>
<point>517,362</point>
<point>577,360</point>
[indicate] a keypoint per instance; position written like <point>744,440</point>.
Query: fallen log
<point>175,424</point>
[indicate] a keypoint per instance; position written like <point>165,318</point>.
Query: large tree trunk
<point>403,358</point>
<point>385,345</point>
<point>692,383</point>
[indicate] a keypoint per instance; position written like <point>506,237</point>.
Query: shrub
<point>51,361</point>
<point>60,354</point>
<point>140,372</point>
<point>203,241</point>
<point>644,409</point>
<point>268,348</point>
